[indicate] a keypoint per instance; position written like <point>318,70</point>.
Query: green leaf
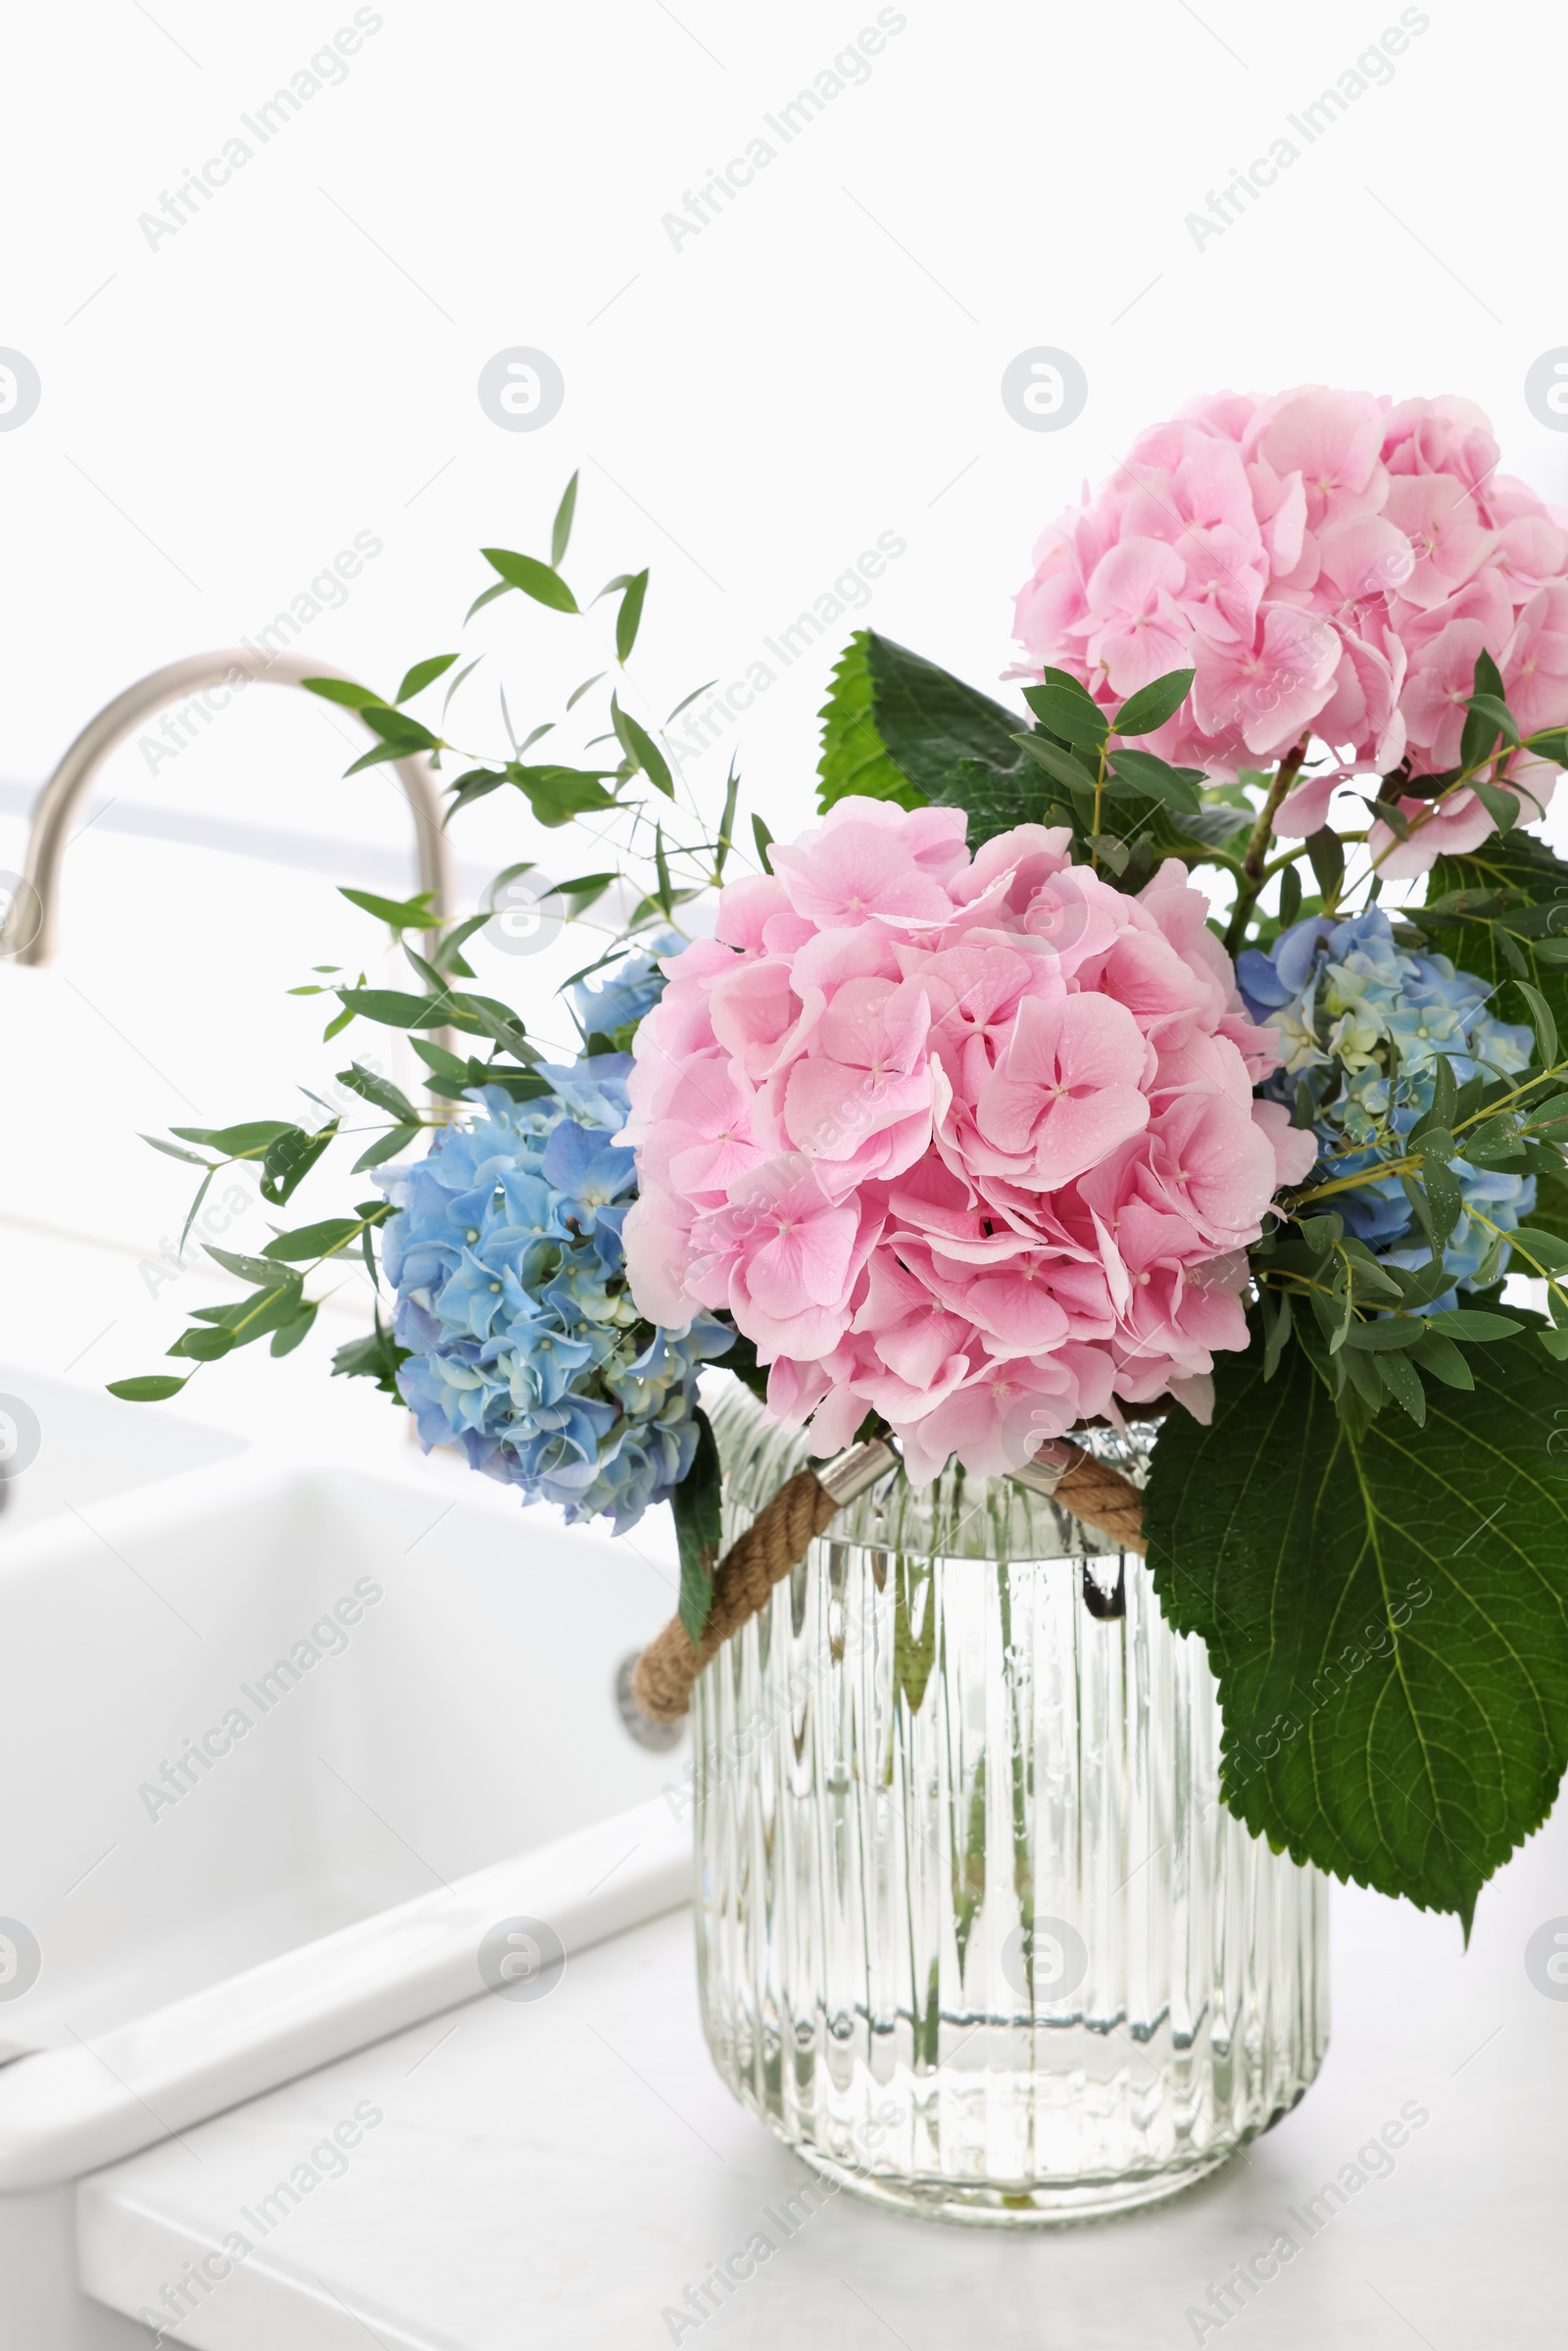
<point>279,1302</point>
<point>1147,711</point>
<point>502,587</point>
<point>1546,1251</point>
<point>558,794</point>
<point>343,690</point>
<point>245,1269</point>
<point>1063,705</point>
<point>1216,827</point>
<point>1385,1612</point>
<point>321,1240</point>
<point>1326,855</point>
<point>1444,1102</point>
<point>1551,1211</point>
<point>764,839</point>
<point>454,1078</point>
<point>994,804</point>
<point>204,1346</point>
<point>1490,706</point>
<point>377,1357</point>
<point>726,823</point>
<point>1512,882</point>
<point>474,784</point>
<point>1320,1232</point>
<point>386,1147</point>
<point>1057,762</point>
<point>290,1161</point>
<point>1394,816</point>
<point>1481,732</point>
<point>190,1213</point>
<point>447,956</point>
<point>1500,806</point>
<point>422,674</point>
<point>741,1359</point>
<point>400,914</point>
<point>1275,1308</point>
<point>930,719</point>
<point>247,1142</point>
<point>1289,897</point>
<point>154,1388</point>
<point>1403,1382</point>
<point>1494,1144</point>
<point>1487,677</point>
<point>1546,1027</point>
<point>287,1339</point>
<point>380,757</point>
<point>1445,1198</point>
<point>392,1009</point>
<point>629,617</point>
<point>583,892</point>
<point>401,729</point>
<point>662,868</point>
<point>641,749</point>
<point>1157,779</point>
<point>560,528</point>
<point>1472,1323</point>
<point>1441,1357</point>
<point>924,720</point>
<point>855,758</point>
<point>171,1150</point>
<point>1386,1334</point>
<point>914,1653</point>
<point>380,1091</point>
<point>535,579</point>
<point>479,1015</point>
<point>467,671</point>
<point>695,1504</point>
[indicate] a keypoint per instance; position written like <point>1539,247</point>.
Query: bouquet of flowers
<point>974,1116</point>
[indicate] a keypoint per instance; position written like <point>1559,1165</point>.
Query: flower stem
<point>1253,864</point>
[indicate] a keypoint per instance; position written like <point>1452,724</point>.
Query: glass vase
<point>976,1936</point>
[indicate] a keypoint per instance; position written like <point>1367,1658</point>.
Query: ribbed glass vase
<point>975,1934</point>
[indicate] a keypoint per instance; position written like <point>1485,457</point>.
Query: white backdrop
<point>241,376</point>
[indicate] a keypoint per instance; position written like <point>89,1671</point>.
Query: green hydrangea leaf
<point>891,704</point>
<point>1520,892</point>
<point>855,758</point>
<point>1386,1610</point>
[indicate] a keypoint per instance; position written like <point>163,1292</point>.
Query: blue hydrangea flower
<point>633,988</point>
<point>1364,1022</point>
<point>525,1346</point>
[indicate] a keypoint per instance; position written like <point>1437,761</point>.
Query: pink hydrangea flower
<point>969,1143</point>
<point>1327,562</point>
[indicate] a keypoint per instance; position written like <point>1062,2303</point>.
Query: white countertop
<point>556,2173</point>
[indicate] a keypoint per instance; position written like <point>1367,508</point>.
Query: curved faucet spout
<point>33,922</point>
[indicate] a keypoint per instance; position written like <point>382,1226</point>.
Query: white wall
<point>223,409</point>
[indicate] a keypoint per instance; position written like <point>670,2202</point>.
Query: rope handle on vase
<point>805,1506</point>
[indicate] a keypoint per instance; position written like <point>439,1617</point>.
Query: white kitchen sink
<point>253,1706</point>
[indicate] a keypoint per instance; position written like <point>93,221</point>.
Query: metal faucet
<point>32,920</point>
